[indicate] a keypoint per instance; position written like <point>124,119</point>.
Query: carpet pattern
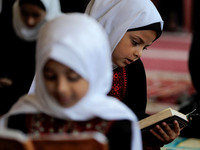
<point>166,65</point>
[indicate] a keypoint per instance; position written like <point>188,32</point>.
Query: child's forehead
<point>56,65</point>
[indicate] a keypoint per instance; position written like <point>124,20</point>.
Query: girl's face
<point>131,46</point>
<point>65,85</point>
<point>31,14</point>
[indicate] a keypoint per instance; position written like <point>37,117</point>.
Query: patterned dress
<point>129,86</point>
<point>119,135</point>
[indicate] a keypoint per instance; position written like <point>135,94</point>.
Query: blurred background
<point>166,61</point>
<point>172,67</point>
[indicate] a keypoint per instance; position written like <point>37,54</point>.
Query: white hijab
<point>117,16</point>
<point>79,42</point>
<point>53,10</point>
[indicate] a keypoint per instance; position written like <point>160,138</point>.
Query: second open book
<point>167,115</point>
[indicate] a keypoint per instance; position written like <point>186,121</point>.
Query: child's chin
<point>67,105</point>
<point>122,64</point>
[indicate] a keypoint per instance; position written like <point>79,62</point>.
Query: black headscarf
<point>34,2</point>
<point>154,26</point>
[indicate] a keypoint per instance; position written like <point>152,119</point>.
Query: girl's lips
<point>63,99</point>
<point>128,61</point>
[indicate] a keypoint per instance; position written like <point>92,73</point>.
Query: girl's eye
<point>49,76</point>
<point>145,48</point>
<point>36,15</point>
<point>134,43</point>
<point>73,77</point>
<point>24,13</point>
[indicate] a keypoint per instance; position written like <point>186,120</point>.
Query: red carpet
<point>166,64</point>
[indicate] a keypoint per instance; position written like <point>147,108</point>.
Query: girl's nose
<point>63,85</point>
<point>138,53</point>
<point>30,22</point>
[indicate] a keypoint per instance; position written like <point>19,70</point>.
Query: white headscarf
<point>117,16</point>
<point>53,10</point>
<point>80,43</point>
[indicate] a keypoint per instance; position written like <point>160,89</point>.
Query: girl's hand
<point>165,133</point>
<point>4,82</point>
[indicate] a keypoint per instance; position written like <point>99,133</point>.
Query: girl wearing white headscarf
<point>52,9</point>
<point>80,43</point>
<point>17,59</point>
<point>117,17</point>
<point>126,17</point>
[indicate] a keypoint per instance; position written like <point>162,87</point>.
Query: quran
<point>167,115</point>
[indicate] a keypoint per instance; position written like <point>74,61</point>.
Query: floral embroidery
<point>119,83</point>
<point>42,124</point>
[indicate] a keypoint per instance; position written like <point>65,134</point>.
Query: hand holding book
<point>165,133</point>
<point>165,125</point>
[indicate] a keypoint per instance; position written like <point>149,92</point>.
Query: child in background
<point>30,15</point>
<point>19,32</point>
<point>74,75</point>
<point>132,26</point>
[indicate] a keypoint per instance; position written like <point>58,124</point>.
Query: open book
<point>167,115</point>
<point>16,140</point>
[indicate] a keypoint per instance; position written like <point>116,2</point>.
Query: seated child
<point>74,75</point>
<point>20,24</point>
<point>132,26</point>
